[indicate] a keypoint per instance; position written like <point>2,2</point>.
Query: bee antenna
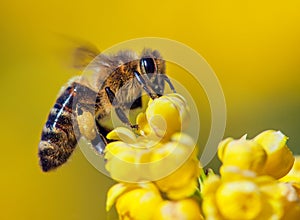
<point>166,78</point>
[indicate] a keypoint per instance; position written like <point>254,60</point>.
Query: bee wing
<point>83,55</point>
<point>74,52</point>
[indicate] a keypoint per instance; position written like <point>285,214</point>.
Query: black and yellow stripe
<point>59,135</point>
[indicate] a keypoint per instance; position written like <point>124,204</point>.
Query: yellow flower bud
<point>173,154</point>
<point>280,159</point>
<point>116,191</point>
<point>208,190</point>
<point>176,162</point>
<point>182,183</point>
<point>182,209</point>
<point>239,200</point>
<point>245,154</point>
<point>243,196</point>
<point>147,159</point>
<point>210,185</point>
<point>291,201</point>
<point>294,174</point>
<point>166,115</point>
<point>296,185</point>
<point>122,134</point>
<point>121,162</point>
<point>144,128</point>
<point>138,203</point>
<point>233,173</point>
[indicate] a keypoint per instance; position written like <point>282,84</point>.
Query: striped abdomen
<point>58,138</point>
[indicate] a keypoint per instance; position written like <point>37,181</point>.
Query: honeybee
<point>117,82</point>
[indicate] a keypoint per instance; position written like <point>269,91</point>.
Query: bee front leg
<point>166,78</point>
<point>148,86</point>
<point>145,85</point>
<point>120,112</point>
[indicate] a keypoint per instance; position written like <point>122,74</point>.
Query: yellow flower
<point>280,159</point>
<point>130,162</point>
<point>144,128</point>
<point>121,162</point>
<point>161,153</point>
<point>116,191</point>
<point>157,151</point>
<point>121,157</point>
<point>248,187</point>
<point>239,200</point>
<point>208,190</point>
<point>292,192</point>
<point>178,159</point>
<point>134,201</point>
<point>143,201</point>
<point>266,154</point>
<point>241,194</point>
<point>182,209</point>
<point>294,174</point>
<point>296,185</point>
<point>122,134</point>
<point>173,165</point>
<point>291,201</point>
<point>165,116</point>
<point>245,154</point>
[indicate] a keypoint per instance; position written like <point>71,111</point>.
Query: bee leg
<point>166,78</point>
<point>90,129</point>
<point>124,118</point>
<point>120,112</point>
<point>145,86</point>
<point>99,143</point>
<point>86,123</point>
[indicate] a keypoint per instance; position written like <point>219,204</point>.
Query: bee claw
<point>135,127</point>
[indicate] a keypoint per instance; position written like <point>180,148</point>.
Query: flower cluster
<point>157,168</point>
<point>252,184</point>
<point>159,174</point>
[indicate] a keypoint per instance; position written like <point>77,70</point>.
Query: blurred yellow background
<point>253,47</point>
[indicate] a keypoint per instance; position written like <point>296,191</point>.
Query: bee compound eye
<point>148,65</point>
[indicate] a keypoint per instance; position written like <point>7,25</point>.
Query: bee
<point>117,82</point>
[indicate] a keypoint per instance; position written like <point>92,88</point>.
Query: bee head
<point>151,62</point>
<point>153,65</point>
